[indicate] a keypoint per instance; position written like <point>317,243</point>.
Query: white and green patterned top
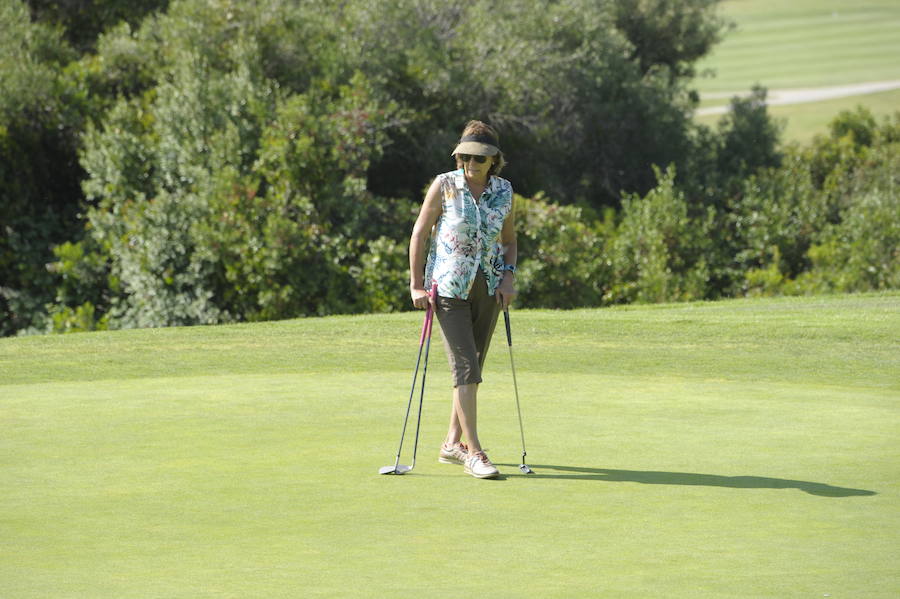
<point>467,235</point>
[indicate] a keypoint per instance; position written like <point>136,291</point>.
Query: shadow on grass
<point>689,479</point>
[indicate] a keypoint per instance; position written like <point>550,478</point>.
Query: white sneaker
<point>478,465</point>
<point>453,454</point>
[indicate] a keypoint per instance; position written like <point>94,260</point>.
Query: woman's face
<point>474,169</point>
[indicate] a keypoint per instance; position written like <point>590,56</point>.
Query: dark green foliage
<point>838,231</point>
<point>84,20</point>
<point>744,142</point>
<point>658,253</point>
<point>749,139</point>
<point>670,33</point>
<point>779,212</point>
<point>39,170</point>
<point>208,161</point>
<point>562,260</point>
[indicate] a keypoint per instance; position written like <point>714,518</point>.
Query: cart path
<point>777,97</point>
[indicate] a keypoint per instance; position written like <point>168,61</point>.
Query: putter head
<point>398,469</point>
<point>525,469</point>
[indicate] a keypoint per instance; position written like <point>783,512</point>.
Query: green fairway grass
<point>744,448</point>
<point>805,44</point>
<point>804,121</point>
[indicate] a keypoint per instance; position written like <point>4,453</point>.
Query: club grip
<point>429,315</point>
<point>425,322</point>
<point>508,331</point>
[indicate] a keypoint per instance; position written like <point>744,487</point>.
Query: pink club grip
<point>429,315</point>
<point>432,300</point>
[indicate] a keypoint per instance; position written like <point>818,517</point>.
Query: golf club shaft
<point>512,365</point>
<point>428,326</point>
<point>412,390</point>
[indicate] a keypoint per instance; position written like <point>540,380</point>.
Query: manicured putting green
<point>744,448</point>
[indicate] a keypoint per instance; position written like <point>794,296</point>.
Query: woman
<point>472,258</point>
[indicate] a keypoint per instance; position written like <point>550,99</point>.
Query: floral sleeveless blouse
<point>467,235</point>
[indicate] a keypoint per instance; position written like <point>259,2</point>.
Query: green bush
<point>39,197</point>
<point>827,220</point>
<point>382,278</point>
<point>658,251</point>
<point>561,259</point>
<point>862,252</point>
<point>83,290</point>
<point>156,171</point>
<point>205,161</point>
<point>777,216</point>
<point>80,319</point>
<point>81,22</point>
<point>217,197</point>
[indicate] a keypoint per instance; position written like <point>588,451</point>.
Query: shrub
<point>382,278</point>
<point>658,251</point>
<point>862,253</point>
<point>827,220</point>
<point>776,218</point>
<point>561,264</point>
<point>40,119</point>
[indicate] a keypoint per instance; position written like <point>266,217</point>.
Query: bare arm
<point>506,292</point>
<point>428,215</point>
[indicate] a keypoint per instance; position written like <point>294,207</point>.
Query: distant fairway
<point>806,44</point>
<point>744,448</point>
<point>803,121</point>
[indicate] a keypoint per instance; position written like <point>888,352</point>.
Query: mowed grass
<point>745,448</point>
<point>805,44</point>
<point>802,122</point>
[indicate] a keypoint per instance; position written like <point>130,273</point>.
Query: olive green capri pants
<point>467,326</point>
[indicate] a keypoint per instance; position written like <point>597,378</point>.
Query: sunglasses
<point>468,157</point>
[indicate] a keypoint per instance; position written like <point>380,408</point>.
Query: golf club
<point>523,466</point>
<point>399,468</point>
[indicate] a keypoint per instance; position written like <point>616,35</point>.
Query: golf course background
<point>805,44</point>
<point>216,161</point>
<point>742,448</point>
<point>736,448</point>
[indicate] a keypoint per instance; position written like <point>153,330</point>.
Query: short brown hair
<point>481,128</point>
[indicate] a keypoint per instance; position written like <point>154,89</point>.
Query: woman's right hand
<point>420,297</point>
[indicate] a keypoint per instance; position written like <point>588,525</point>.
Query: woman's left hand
<point>506,292</point>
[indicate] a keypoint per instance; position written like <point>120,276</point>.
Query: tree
<point>83,20</point>
<point>265,159</point>
<point>40,119</point>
